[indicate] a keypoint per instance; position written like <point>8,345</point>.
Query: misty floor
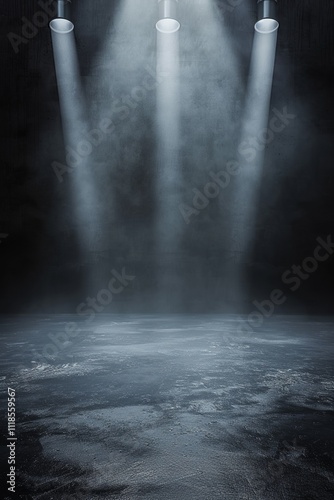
<point>170,407</point>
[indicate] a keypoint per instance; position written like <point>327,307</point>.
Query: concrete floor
<point>170,407</point>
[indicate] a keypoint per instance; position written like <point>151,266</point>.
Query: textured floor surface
<point>170,407</point>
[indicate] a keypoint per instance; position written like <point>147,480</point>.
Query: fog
<point>159,193</point>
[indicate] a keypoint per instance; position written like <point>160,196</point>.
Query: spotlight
<point>167,13</point>
<point>62,24</point>
<point>267,16</point>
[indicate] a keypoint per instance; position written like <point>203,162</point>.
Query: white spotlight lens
<point>62,26</point>
<point>266,26</point>
<point>168,25</point>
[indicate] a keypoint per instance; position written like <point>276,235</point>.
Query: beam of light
<point>136,108</point>
<point>168,168</point>
<point>254,137</point>
<point>188,104</point>
<point>84,199</point>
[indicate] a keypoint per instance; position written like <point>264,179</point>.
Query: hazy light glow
<point>69,84</point>
<point>266,26</point>
<point>84,199</point>
<point>61,26</point>
<point>252,146</point>
<point>168,174</point>
<point>123,68</point>
<point>168,136</point>
<point>210,85</point>
<point>168,25</point>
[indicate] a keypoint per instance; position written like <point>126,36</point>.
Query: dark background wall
<point>40,261</point>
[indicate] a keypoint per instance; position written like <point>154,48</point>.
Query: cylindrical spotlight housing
<point>61,8</point>
<point>168,22</point>
<point>267,16</point>
<point>62,24</point>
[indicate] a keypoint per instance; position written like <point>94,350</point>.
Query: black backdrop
<point>39,259</point>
